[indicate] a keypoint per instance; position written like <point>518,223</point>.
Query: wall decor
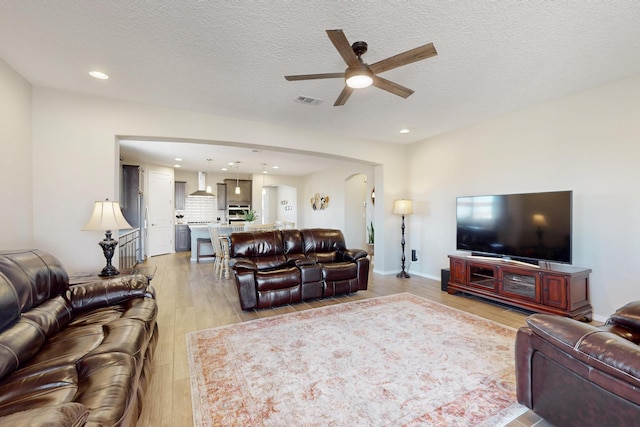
<point>319,202</point>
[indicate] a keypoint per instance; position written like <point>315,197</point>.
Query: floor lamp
<point>403,207</point>
<point>107,216</point>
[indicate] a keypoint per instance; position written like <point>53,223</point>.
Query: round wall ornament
<point>319,202</point>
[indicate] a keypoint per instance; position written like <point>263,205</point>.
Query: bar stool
<point>200,241</point>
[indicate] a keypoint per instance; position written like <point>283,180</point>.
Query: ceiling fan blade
<point>344,95</point>
<point>345,50</point>
<point>408,57</point>
<point>315,76</point>
<point>392,87</point>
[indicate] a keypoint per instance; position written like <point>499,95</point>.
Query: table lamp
<point>107,216</point>
<point>403,207</point>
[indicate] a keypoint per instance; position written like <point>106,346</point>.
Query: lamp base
<point>109,270</point>
<point>108,248</point>
<point>403,275</point>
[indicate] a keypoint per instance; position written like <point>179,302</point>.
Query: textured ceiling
<point>229,57</point>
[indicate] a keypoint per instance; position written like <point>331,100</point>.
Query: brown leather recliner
<point>72,355</point>
<point>576,374</point>
<point>286,266</point>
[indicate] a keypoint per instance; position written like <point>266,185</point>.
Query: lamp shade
<point>106,215</point>
<point>403,207</point>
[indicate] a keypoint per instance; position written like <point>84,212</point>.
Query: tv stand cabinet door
<point>554,291</point>
<point>458,271</point>
<point>521,285</point>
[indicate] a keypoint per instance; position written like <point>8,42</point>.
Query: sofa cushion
<point>104,379</point>
<point>18,343</point>
<point>250,244</point>
<point>28,278</point>
<point>263,248</point>
<point>322,240</point>
<point>293,242</point>
<point>68,414</point>
<point>278,279</point>
<point>37,388</point>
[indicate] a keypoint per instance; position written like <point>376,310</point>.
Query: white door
<point>160,199</point>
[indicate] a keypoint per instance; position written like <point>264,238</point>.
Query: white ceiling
<point>229,58</point>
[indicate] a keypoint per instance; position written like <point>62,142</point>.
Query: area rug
<point>388,361</point>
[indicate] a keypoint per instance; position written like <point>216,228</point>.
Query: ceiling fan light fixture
<point>358,78</point>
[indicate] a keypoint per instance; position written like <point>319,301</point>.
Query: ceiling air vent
<point>308,100</point>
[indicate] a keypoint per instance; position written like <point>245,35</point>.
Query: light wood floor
<point>191,297</point>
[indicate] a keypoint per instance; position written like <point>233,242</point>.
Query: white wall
<point>16,215</point>
<point>288,195</point>
<point>588,143</point>
<point>355,232</point>
<point>333,183</point>
<point>75,160</point>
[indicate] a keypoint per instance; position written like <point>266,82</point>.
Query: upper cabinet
<point>245,191</point>
<point>180,195</point>
<point>221,191</point>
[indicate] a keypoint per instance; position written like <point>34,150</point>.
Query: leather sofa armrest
<point>103,293</point>
<point>240,263</point>
<point>246,284</point>
<point>523,355</point>
<point>627,316</point>
<point>354,254</point>
<point>306,261</point>
<point>561,332</point>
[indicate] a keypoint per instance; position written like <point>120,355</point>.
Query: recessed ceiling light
<point>404,130</point>
<point>178,159</point>
<point>223,169</point>
<point>275,167</point>
<point>98,75</point>
<point>177,166</point>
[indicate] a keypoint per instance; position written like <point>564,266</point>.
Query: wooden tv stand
<point>557,289</point>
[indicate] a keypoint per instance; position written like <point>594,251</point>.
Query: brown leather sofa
<point>72,355</point>
<point>286,266</point>
<point>576,374</point>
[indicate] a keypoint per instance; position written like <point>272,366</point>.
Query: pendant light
<point>237,177</point>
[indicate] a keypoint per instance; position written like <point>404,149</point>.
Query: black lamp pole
<point>403,274</point>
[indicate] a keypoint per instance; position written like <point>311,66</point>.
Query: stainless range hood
<point>202,185</point>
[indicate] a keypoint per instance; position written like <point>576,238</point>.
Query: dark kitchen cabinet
<point>221,192</point>
<point>183,238</point>
<point>180,195</point>
<point>245,191</point>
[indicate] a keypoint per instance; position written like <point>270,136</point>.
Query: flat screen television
<point>528,227</point>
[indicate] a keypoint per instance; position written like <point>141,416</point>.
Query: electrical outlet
<point>414,255</point>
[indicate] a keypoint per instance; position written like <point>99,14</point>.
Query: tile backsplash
<point>200,209</point>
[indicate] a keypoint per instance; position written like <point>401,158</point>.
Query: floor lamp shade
<point>107,216</point>
<point>403,207</point>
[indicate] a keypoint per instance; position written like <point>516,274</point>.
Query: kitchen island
<point>200,231</point>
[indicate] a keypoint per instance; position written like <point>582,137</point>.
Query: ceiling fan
<point>360,75</point>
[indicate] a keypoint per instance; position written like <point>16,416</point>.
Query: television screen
<point>531,226</point>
